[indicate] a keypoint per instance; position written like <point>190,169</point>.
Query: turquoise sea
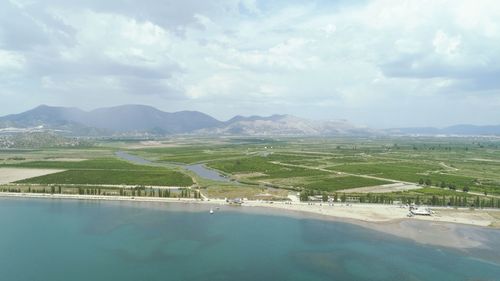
<point>85,240</point>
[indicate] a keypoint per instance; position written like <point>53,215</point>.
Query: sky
<point>375,63</point>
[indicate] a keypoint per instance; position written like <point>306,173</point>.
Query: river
<point>199,169</point>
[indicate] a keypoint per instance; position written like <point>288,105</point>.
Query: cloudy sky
<point>377,63</point>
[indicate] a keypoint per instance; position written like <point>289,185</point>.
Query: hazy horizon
<point>249,115</point>
<point>376,63</point>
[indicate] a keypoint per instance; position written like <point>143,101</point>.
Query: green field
<point>330,184</point>
<point>104,171</point>
<point>314,163</point>
<point>94,164</point>
<point>115,177</point>
<point>264,165</point>
<point>188,154</point>
<point>407,172</point>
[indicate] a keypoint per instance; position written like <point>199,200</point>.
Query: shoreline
<point>452,228</point>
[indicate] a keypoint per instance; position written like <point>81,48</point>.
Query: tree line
<point>139,191</point>
<point>430,200</point>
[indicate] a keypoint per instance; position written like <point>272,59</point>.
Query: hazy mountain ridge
<point>106,121</point>
<point>459,130</point>
<point>285,125</point>
<point>146,120</point>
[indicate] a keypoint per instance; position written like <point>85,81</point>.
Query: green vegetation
<point>138,191</point>
<point>187,154</point>
<point>339,183</point>
<point>264,166</point>
<point>115,177</point>
<point>94,164</point>
<point>461,164</point>
<point>404,171</point>
<point>444,167</point>
<point>104,171</point>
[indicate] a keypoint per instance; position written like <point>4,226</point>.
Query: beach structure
<point>315,198</point>
<point>237,201</point>
<point>420,211</point>
<point>352,199</point>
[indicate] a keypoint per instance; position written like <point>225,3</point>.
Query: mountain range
<point>141,119</point>
<point>147,120</point>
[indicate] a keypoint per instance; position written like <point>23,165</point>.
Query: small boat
<point>211,211</point>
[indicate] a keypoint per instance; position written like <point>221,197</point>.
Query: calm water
<point>205,173</point>
<point>79,240</point>
<point>198,169</point>
<point>135,159</point>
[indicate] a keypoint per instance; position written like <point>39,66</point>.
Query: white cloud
<point>445,44</point>
<point>117,37</point>
<point>360,61</point>
<point>329,29</point>
<point>11,61</point>
<point>204,21</point>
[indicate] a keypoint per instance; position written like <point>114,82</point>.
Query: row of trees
<point>431,200</point>
<point>442,184</point>
<point>51,190</point>
<point>138,191</point>
<point>162,193</point>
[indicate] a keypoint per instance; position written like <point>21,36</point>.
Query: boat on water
<point>211,211</point>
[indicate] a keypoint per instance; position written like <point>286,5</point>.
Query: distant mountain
<point>473,130</point>
<point>141,119</point>
<point>49,118</point>
<point>43,115</point>
<point>239,118</point>
<point>138,120</point>
<point>112,120</point>
<point>284,125</point>
<point>461,130</point>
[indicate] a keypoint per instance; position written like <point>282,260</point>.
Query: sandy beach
<point>439,229</point>
<point>454,228</point>
<point>8,175</point>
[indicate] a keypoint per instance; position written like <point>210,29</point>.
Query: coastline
<point>452,228</point>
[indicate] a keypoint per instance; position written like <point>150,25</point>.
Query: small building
<point>352,199</point>
<point>420,211</point>
<point>315,198</point>
<point>237,201</point>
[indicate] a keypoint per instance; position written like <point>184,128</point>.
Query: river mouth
<point>199,169</point>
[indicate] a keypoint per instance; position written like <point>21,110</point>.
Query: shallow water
<point>198,169</point>
<point>91,240</point>
<point>206,173</point>
<point>135,159</point>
